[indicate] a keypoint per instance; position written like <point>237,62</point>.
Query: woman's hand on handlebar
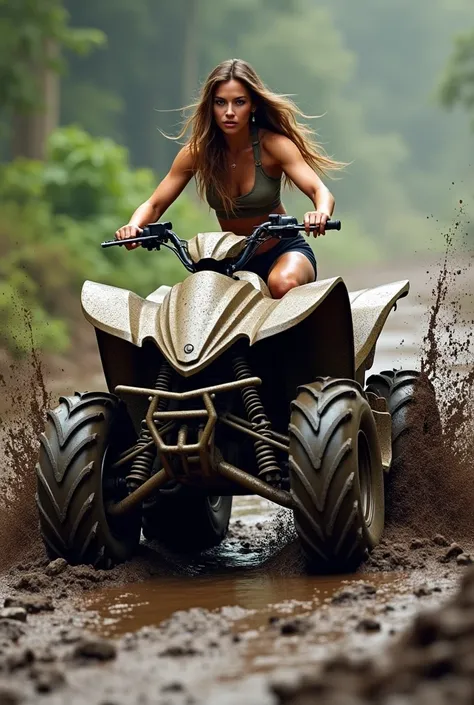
<point>315,218</point>
<point>127,232</point>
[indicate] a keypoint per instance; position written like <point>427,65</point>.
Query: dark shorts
<point>261,264</point>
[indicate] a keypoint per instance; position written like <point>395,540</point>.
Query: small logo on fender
<point>188,348</point>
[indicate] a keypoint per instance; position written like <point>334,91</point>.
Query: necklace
<point>233,164</point>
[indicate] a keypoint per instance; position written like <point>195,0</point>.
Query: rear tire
<point>186,520</point>
<point>411,401</point>
<point>83,437</point>
<point>336,474</point>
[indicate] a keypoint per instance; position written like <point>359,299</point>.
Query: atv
<point>216,389</point>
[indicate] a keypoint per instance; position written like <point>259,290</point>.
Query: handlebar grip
<point>330,225</point>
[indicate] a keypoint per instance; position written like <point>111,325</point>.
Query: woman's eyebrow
<point>238,97</point>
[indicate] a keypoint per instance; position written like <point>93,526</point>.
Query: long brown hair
<point>273,112</point>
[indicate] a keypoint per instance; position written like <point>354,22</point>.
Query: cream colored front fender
<point>117,311</point>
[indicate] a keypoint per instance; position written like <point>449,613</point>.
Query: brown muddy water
<point>268,614</point>
<point>120,610</point>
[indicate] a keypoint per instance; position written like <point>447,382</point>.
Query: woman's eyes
<point>239,101</point>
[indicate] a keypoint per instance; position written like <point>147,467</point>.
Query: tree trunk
<point>30,131</point>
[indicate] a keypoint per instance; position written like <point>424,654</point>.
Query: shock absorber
<point>143,463</point>
<point>268,468</point>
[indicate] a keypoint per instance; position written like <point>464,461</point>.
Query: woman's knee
<point>280,284</point>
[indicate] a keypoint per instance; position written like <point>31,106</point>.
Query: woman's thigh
<point>289,270</point>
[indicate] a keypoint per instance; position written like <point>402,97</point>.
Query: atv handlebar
<point>157,235</point>
<point>283,226</point>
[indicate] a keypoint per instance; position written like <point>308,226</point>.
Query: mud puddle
<point>115,611</point>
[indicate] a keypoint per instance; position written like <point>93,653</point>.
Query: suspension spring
<point>268,468</point>
<point>143,463</point>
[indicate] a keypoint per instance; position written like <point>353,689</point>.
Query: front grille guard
<point>199,453</point>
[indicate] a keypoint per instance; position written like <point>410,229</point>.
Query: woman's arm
<point>161,199</point>
<point>305,178</point>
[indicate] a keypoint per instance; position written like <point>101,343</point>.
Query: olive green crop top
<point>264,197</point>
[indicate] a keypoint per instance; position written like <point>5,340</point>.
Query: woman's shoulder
<point>274,143</point>
<point>185,159</point>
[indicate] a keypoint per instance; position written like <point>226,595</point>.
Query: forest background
<point>88,88</point>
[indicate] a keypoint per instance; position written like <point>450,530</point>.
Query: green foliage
<point>86,177</point>
<point>82,177</point>
<point>53,217</point>
<point>34,273</point>
<point>22,181</point>
<point>457,83</point>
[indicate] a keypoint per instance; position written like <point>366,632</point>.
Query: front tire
<point>336,474</point>
<point>83,437</point>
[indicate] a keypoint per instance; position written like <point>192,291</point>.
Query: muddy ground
<point>245,622</point>
<point>242,624</point>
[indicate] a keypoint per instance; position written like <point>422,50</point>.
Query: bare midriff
<point>246,226</point>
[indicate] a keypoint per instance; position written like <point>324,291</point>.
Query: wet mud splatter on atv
<point>23,411</point>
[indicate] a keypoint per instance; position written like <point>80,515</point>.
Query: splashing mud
<point>23,408</point>
<point>435,491</point>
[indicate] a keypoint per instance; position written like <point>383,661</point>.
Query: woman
<point>244,139</point>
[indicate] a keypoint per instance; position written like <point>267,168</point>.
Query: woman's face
<point>232,106</point>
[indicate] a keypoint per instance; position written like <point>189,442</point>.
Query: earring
<point>253,115</point>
